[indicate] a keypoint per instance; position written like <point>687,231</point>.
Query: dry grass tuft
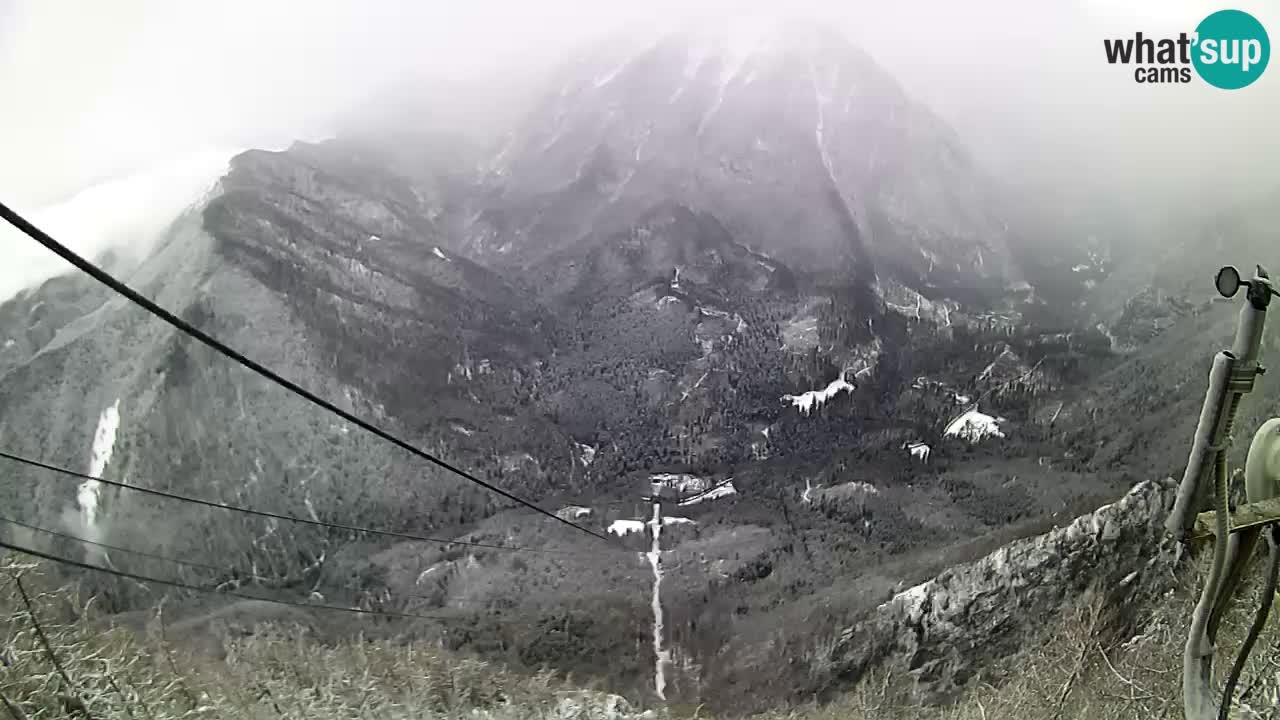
<point>55,664</point>
<point>1092,664</point>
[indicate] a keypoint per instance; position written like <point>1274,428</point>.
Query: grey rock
<point>942,631</point>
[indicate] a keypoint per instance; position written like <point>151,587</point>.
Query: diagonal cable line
<point>205,589</point>
<point>187,563</point>
<point>274,516</point>
<point>117,548</point>
<point>116,285</point>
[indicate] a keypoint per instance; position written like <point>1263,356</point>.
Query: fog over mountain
<point>866,334</point>
<point>1026,84</point>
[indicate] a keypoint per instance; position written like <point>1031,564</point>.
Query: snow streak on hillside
<point>88,495</point>
<point>662,656</point>
<point>974,426</point>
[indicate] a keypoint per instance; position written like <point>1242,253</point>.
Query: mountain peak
<point>767,32</point>
<point>732,46</point>
<point>789,134</point>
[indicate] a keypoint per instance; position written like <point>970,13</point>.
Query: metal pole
<point>1232,376</point>
<point>1190,498</point>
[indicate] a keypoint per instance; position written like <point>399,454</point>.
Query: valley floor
<point>1092,663</point>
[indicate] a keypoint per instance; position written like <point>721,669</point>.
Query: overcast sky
<point>96,90</point>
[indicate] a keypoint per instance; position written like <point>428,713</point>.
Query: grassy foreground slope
<point>1092,662</point>
<point>69,661</point>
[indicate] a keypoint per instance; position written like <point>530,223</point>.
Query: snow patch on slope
<point>622,528</point>
<point>720,491</point>
<point>974,426</point>
<point>696,488</point>
<point>681,482</point>
<point>808,401</point>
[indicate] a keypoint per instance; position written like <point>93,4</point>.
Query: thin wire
<point>275,516</point>
<point>107,279</point>
<point>207,590</point>
<point>1259,624</point>
<point>117,548</point>
<point>176,561</point>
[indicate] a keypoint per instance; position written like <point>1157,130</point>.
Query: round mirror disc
<point>1228,281</point>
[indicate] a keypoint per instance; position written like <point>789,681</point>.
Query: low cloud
<point>126,213</point>
<point>99,97</point>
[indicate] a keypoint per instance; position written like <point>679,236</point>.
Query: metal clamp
<point>1242,379</point>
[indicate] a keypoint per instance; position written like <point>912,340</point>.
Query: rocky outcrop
<point>942,631</point>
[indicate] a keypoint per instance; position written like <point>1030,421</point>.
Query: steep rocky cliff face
<point>288,263</point>
<point>981,603</point>
<point>942,632</point>
<point>353,249</point>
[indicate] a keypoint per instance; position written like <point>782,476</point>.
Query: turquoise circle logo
<point>1232,49</point>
